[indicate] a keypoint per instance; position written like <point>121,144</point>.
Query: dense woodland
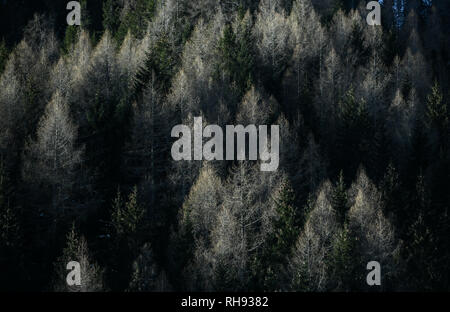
<point>86,172</point>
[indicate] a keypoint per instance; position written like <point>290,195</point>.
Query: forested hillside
<point>86,172</point>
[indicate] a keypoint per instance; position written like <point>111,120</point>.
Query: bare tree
<point>202,205</point>
<point>53,158</point>
<point>91,276</point>
<point>309,262</point>
<point>308,41</point>
<point>194,88</point>
<point>256,108</point>
<point>272,34</point>
<point>374,231</point>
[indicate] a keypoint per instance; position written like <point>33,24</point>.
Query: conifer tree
<point>374,232</point>
<point>236,51</point>
<point>3,55</point>
<point>111,15</point>
<point>419,251</point>
<point>272,40</point>
<point>52,162</point>
<point>345,263</point>
<point>312,168</point>
<point>91,274</point>
<point>9,227</point>
<point>340,198</point>
<point>147,276</point>
<point>135,17</point>
<point>159,67</point>
<point>128,219</point>
<point>279,243</point>
<point>70,38</point>
<point>391,190</point>
<point>438,115</point>
<point>309,264</point>
<point>354,132</point>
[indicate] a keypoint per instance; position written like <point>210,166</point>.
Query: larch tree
<point>80,56</point>
<point>308,265</point>
<point>128,60</point>
<point>373,73</point>
<point>272,39</point>
<point>105,106</point>
<point>193,88</point>
<point>128,220</point>
<point>400,121</point>
<point>202,205</point>
<point>91,275</point>
<point>349,40</point>
<point>53,160</point>
<point>183,174</point>
<point>308,41</point>
<point>228,271</point>
<point>248,205</point>
<point>61,80</point>
<point>29,69</point>
<point>376,237</point>
<point>12,108</point>
<point>35,56</point>
<point>330,89</point>
<point>201,9</point>
<point>199,214</point>
<point>256,108</point>
<point>414,73</point>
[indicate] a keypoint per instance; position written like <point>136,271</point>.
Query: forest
<point>86,172</point>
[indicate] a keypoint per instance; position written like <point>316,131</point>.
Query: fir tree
<point>391,192</point>
<point>285,232</point>
<point>235,50</point>
<point>159,67</point>
<point>269,265</point>
<point>354,132</point>
<point>128,218</point>
<point>136,18</point>
<point>3,55</point>
<point>345,263</point>
<point>70,38</point>
<point>9,227</point>
<point>129,226</point>
<point>437,114</point>
<point>340,198</point>
<point>111,15</point>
